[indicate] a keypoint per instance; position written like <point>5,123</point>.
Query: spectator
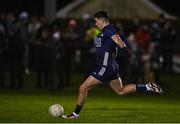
<point>135,72</point>
<point>3,55</point>
<point>132,27</point>
<point>70,38</point>
<point>143,37</point>
<point>151,64</point>
<point>167,40</point>
<point>44,60</point>
<point>16,52</point>
<point>33,28</point>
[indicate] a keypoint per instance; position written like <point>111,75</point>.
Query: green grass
<point>102,105</point>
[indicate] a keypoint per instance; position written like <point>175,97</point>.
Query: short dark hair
<point>101,14</point>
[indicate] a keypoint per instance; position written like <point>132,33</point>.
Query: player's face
<point>98,23</point>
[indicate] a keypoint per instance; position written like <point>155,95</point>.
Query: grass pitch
<point>102,105</point>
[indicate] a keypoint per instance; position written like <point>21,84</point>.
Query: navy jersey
<point>106,66</point>
<point>106,47</point>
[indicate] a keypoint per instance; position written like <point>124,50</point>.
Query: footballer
<point>106,69</point>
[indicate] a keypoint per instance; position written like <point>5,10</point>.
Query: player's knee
<point>121,91</point>
<point>82,89</point>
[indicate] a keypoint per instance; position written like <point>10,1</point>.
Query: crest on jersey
<point>98,42</point>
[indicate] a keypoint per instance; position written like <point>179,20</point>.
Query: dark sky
<point>37,6</point>
<point>31,6</point>
<point>17,6</point>
<point>171,6</point>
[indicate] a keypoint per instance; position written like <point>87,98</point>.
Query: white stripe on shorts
<point>106,56</point>
<point>103,69</point>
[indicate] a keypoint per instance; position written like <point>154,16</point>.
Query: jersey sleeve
<point>110,31</point>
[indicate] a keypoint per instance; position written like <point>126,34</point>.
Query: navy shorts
<point>105,73</point>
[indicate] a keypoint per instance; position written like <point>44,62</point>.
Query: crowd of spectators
<point>62,47</point>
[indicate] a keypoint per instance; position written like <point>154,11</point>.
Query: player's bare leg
<point>117,87</point>
<point>89,83</point>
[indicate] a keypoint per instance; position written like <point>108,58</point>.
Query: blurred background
<point>47,44</point>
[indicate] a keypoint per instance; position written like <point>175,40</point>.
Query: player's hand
<point>127,52</point>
